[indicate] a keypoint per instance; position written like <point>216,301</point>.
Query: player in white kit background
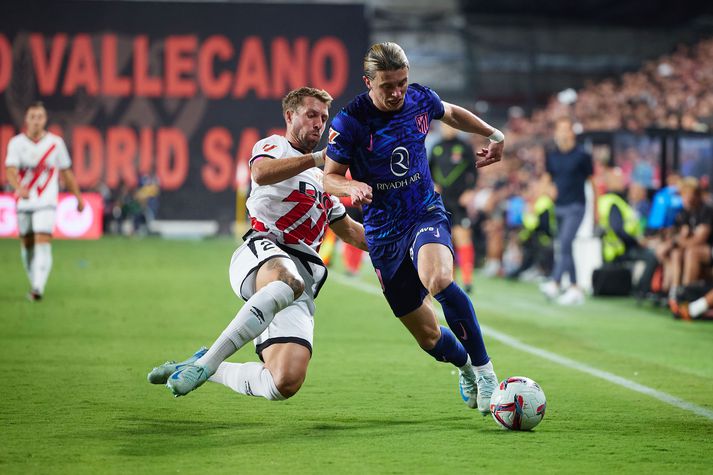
<point>35,160</point>
<point>277,271</point>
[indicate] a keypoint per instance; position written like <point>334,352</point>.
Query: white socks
<point>252,319</point>
<point>27,254</point>
<point>486,368</point>
<point>698,307</point>
<point>40,267</point>
<point>251,379</point>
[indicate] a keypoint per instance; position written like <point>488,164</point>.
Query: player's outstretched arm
<point>14,181</point>
<point>268,171</point>
<point>72,186</point>
<point>462,119</point>
<point>335,183</point>
<point>350,232</point>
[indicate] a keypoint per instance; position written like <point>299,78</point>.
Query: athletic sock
<point>449,349</point>
<point>466,260</point>
<point>698,307</point>
<point>252,319</point>
<point>250,379</point>
<point>486,368</point>
<point>461,318</point>
<point>27,254</point>
<point>41,266</point>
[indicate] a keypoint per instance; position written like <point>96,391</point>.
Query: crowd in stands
<point>511,209</point>
<point>672,92</point>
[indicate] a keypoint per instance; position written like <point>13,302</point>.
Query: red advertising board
<point>70,224</point>
<point>176,91</point>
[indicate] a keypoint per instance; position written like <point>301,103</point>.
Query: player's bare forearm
<point>335,183</point>
<point>70,182</point>
<point>350,232</point>
<point>462,119</point>
<point>268,171</point>
<point>13,179</point>
<point>72,186</point>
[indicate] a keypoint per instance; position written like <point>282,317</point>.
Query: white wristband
<point>496,136</point>
<point>318,158</point>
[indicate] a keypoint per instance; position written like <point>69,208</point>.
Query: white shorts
<point>40,221</point>
<point>294,324</point>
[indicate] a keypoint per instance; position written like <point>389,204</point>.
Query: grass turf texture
<point>75,397</point>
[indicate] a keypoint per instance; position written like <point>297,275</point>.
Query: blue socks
<point>460,316</point>
<point>448,349</point>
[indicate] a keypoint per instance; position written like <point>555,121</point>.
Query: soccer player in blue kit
<point>380,137</point>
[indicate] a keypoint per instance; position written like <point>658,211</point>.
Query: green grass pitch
<point>74,397</point>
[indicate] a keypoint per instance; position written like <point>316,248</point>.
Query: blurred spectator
<point>665,205</point>
<point>569,168</point>
<point>147,199</point>
<point>123,208</point>
<point>622,231</point>
<point>538,230</point>
<point>685,254</point>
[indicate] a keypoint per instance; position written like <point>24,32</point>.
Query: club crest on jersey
<point>333,134</point>
<point>422,123</point>
<point>400,161</point>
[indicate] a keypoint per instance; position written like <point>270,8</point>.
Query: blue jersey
<point>386,150</point>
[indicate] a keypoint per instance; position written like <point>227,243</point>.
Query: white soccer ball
<point>518,403</point>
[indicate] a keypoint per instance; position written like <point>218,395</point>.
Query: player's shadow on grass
<point>390,425</point>
<point>155,437</point>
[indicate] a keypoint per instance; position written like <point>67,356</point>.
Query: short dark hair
<point>35,105</point>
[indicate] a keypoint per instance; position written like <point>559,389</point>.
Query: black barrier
<point>179,90</point>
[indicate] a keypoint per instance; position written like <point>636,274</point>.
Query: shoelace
<point>488,379</point>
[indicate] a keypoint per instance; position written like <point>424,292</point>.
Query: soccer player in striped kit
<point>277,270</point>
<point>35,160</point>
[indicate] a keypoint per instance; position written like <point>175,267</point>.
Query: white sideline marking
<point>555,358</point>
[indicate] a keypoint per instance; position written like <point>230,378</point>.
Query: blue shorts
<point>396,263</point>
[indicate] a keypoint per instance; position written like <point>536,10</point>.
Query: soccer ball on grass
<point>518,403</point>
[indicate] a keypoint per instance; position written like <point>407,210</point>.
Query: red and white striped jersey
<point>296,210</point>
<point>38,164</point>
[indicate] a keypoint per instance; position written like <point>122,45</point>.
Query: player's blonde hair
<point>294,98</point>
<point>385,56</point>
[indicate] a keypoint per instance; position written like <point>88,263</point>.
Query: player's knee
<point>428,337</point>
<point>288,383</point>
<point>437,281</point>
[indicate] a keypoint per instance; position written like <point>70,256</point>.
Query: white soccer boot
<point>550,289</point>
<point>468,386</point>
<point>187,379</point>
<point>487,381</point>
<point>160,374</point>
<point>572,296</point>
